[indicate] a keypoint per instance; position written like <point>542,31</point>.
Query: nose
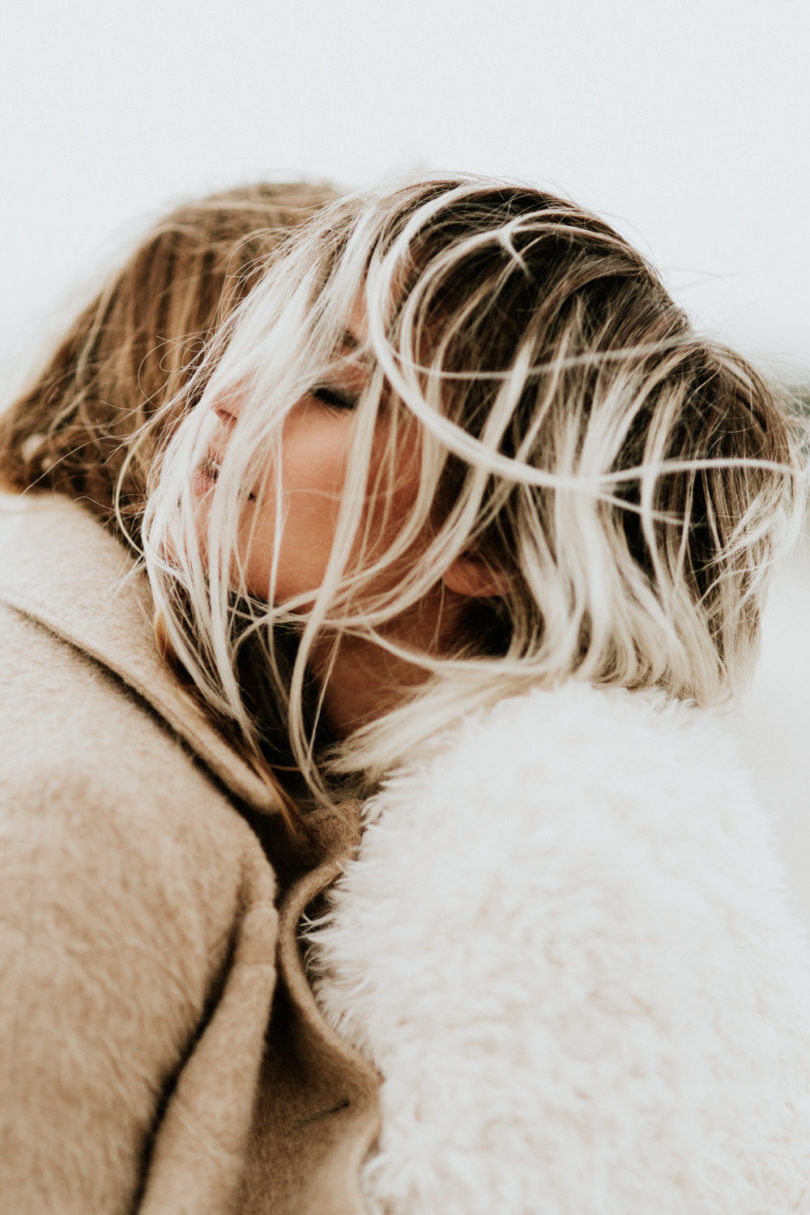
<point>227,405</point>
<point>226,410</point>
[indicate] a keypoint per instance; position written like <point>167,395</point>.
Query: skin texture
<point>316,441</point>
<point>363,680</point>
<point>316,445</point>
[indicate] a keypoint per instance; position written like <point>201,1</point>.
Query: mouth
<point>207,473</point>
<point>210,468</point>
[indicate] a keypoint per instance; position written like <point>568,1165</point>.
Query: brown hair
<point>623,477</point>
<point>132,349</point>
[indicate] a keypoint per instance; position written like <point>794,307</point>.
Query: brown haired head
<point>137,344</point>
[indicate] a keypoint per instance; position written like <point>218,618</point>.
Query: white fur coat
<point>567,945</point>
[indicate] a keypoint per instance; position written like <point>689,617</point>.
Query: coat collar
<point>61,568</point>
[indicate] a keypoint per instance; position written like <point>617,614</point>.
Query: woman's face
<point>315,446</point>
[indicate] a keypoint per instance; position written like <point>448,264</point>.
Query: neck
<point>361,681</point>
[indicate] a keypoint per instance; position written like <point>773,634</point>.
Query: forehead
<point>352,355</point>
<point>355,334</point>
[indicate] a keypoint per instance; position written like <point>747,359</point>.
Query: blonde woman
<point>137,918</point>
<point>517,516</point>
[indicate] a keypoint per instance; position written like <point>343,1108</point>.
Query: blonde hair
<point>625,477</point>
<point>129,355</point>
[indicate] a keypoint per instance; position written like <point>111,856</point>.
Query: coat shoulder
<point>83,757</point>
<point>133,900</point>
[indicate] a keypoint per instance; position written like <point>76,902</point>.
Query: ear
<point>474,578</point>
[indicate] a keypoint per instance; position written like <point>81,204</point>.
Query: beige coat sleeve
<point>137,942</point>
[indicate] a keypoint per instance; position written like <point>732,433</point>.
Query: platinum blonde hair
<point>626,478</point>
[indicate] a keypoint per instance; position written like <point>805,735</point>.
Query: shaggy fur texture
<point>568,946</point>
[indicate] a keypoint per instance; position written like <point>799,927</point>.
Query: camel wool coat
<point>160,1048</point>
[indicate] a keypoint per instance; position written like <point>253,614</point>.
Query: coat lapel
<point>59,567</point>
<point>317,1098</point>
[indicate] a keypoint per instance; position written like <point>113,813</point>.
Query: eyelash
<point>333,397</point>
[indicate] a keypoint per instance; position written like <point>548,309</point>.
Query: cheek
<point>393,493</point>
<point>315,456</point>
<point>300,541</point>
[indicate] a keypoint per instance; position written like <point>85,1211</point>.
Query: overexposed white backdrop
<point>687,124</point>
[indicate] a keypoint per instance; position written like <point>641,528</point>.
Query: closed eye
<point>334,397</point>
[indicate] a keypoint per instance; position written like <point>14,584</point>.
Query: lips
<point>210,468</point>
<point>207,473</point>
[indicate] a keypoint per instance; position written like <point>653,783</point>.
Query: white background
<point>685,122</point>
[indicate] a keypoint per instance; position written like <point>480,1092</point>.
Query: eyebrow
<point>352,348</point>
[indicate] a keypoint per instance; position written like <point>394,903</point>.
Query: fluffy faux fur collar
<point>567,945</point>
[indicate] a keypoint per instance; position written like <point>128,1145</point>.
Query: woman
<point>517,516</point>
<point>138,927</point>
